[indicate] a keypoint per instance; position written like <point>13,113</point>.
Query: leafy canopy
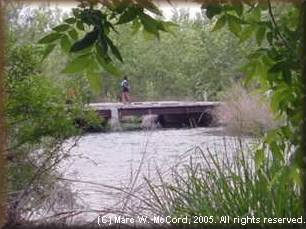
<point>276,66</point>
<point>94,21</point>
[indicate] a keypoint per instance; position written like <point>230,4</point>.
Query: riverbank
<point>151,173</point>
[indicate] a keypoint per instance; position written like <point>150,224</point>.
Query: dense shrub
<point>244,113</point>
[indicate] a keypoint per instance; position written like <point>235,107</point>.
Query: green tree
<point>203,61</point>
<point>276,66</point>
<point>39,120</point>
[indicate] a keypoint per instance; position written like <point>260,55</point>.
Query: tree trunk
<point>3,181</point>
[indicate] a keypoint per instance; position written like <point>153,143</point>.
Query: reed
<point>228,184</point>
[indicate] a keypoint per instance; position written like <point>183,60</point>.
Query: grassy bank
<point>228,189</point>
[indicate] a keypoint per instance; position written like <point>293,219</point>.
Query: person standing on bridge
<point>125,90</point>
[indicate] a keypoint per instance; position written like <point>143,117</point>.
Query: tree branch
<point>276,27</point>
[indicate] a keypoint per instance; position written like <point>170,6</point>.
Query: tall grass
<point>244,113</point>
<point>223,184</point>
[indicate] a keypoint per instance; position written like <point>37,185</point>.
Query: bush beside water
<point>245,114</point>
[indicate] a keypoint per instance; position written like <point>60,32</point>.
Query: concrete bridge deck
<point>144,108</point>
<point>167,113</point>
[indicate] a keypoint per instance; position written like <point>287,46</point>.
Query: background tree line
<point>179,65</point>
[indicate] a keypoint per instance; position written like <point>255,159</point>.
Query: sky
<point>167,9</point>
<point>164,5</point>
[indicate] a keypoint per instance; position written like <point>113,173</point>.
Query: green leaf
<point>80,25</point>
<point>220,23</point>
<point>65,43</point>
<point>276,151</point>
<point>287,76</point>
<point>246,33</point>
<point>88,40</point>
<point>271,136</point>
<point>117,8</point>
<point>149,24</point>
<point>108,67</point>
<point>213,10</point>
<point>274,103</point>
<point>254,15</point>
<point>70,20</point>
<point>259,156</point>
<point>135,26</point>
<point>167,25</point>
<point>103,45</point>
<point>50,38</point>
<point>146,35</point>
<point>73,34</point>
<point>254,55</point>
<point>267,61</point>
<point>48,50</point>
<point>79,64</point>
<point>274,55</point>
<point>247,79</point>
<point>251,70</point>
<point>238,7</point>
<point>160,26</point>
<point>149,6</point>
<point>234,25</point>
<point>108,26</point>
<point>114,49</point>
<point>260,34</point>
<point>286,131</point>
<point>269,37</point>
<point>95,80</point>
<point>61,28</point>
<point>278,67</point>
<point>295,175</point>
<point>128,15</point>
<point>101,51</point>
<point>76,12</point>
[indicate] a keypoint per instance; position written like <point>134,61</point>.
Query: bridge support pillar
<point>114,119</point>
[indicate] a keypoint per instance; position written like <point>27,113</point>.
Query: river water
<point>104,167</point>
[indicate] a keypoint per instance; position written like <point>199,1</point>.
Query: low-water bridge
<point>165,113</point>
